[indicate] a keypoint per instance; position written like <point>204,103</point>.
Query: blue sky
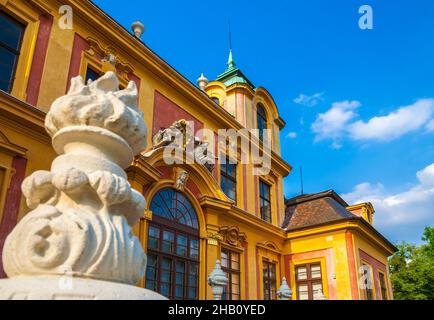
<point>363,121</point>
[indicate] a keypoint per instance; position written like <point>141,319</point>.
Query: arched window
<point>216,100</point>
<point>173,247</point>
<point>262,121</point>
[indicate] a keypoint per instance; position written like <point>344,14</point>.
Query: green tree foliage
<point>412,269</point>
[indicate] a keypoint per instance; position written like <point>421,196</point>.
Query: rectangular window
<point>173,263</point>
<point>265,201</point>
<point>369,293</point>
<point>383,286</point>
<point>231,266</point>
<point>269,280</point>
<point>229,179</point>
<point>308,279</point>
<point>11,36</point>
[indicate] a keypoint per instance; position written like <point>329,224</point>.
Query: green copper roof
<point>233,75</point>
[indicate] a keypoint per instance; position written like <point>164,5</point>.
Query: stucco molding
<point>233,236</point>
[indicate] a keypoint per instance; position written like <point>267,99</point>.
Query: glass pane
<point>235,264</point>
<point>166,264</point>
<point>303,292</point>
<point>151,273</point>
<point>317,291</point>
<point>266,191</point>
<point>273,272</point>
<point>235,289</point>
<point>232,169</point>
<point>301,273</point>
<point>179,292</point>
<point>11,31</point>
<point>194,249</point>
<point>7,68</point>
<point>168,241</point>
<point>223,185</point>
<point>165,276</point>
<point>231,193</point>
<point>181,248</point>
<point>165,290</point>
<point>315,271</point>
<point>154,238</point>
<point>236,279</point>
<point>224,259</point>
<point>192,293</point>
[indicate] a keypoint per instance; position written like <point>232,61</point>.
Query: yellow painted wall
<point>335,241</point>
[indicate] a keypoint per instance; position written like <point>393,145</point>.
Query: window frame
<point>309,281</point>
<point>15,52</point>
<point>160,254</point>
<point>178,230</point>
<point>230,272</point>
<point>383,290</point>
<point>266,200</point>
<point>368,294</point>
<point>268,292</point>
<point>261,118</point>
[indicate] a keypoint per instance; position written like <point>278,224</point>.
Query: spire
<point>231,63</point>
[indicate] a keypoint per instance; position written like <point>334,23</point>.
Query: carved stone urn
<point>77,243</point>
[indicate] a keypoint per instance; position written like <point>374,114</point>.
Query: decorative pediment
<point>233,236</point>
<point>110,56</point>
<point>269,245</point>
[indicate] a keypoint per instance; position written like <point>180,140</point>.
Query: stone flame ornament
<point>83,209</point>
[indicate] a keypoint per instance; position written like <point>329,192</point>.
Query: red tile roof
<point>315,209</point>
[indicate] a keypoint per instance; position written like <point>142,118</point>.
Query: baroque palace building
<point>195,214</point>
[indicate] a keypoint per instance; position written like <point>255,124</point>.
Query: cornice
<point>23,117</point>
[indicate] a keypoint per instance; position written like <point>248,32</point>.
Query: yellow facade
<point>224,224</point>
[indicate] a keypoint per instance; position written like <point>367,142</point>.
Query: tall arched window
<point>262,121</point>
<point>173,247</point>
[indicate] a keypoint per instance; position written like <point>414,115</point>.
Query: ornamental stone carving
<point>181,177</point>
<point>176,133</point>
<point>83,209</point>
<point>233,236</point>
<point>179,136</point>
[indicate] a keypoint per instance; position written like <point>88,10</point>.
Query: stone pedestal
<point>64,288</point>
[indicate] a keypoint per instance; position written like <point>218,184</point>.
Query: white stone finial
<point>83,209</point>
<point>138,29</point>
<point>284,292</point>
<point>218,280</point>
<point>202,82</point>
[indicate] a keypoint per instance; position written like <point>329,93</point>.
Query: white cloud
<point>339,122</point>
<point>333,123</point>
<point>400,213</point>
<point>426,176</point>
<point>430,126</point>
<point>395,124</point>
<point>291,135</point>
<point>309,101</point>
